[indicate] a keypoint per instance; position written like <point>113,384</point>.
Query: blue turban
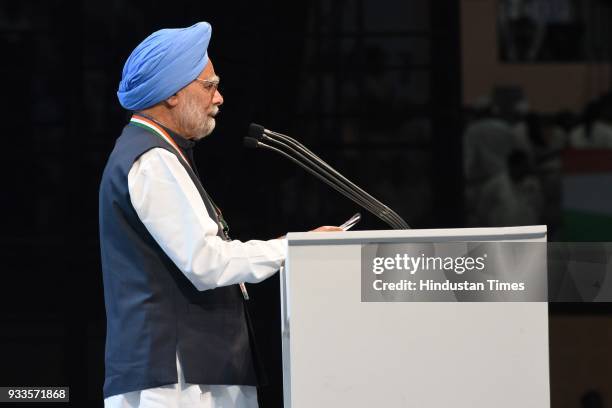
<point>165,62</point>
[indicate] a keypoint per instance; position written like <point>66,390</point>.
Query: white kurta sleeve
<point>172,210</point>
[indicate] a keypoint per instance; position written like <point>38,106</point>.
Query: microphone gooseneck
<point>344,189</point>
<point>351,193</point>
<point>343,180</point>
<point>261,134</point>
<point>320,177</point>
<point>302,156</point>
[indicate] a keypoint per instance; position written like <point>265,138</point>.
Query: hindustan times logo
<point>412,264</point>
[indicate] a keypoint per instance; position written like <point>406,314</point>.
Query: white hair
<point>195,121</point>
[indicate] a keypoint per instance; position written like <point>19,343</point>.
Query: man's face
<point>198,104</point>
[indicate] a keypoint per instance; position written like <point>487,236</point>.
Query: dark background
<point>374,87</point>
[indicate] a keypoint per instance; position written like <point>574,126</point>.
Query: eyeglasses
<point>210,85</point>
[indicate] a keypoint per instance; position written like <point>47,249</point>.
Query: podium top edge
<point>531,232</point>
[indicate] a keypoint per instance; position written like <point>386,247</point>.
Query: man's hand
<point>327,228</point>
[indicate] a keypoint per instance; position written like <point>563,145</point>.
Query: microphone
<point>254,143</point>
<point>366,200</point>
<point>260,133</point>
<point>351,193</point>
<point>251,143</point>
<point>323,171</point>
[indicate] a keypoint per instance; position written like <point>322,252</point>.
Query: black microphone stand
<point>299,154</point>
<point>270,135</point>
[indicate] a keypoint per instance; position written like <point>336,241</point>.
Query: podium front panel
<point>341,352</point>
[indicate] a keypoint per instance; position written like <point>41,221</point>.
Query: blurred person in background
<point>595,129</point>
<point>501,189</point>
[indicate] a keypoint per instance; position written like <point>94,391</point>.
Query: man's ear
<point>172,101</point>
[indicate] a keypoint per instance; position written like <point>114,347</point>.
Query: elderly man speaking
<point>178,330</point>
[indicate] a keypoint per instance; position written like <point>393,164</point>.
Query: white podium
<point>341,352</point>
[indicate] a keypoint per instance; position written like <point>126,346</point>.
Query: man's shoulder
<point>136,137</point>
<point>131,144</point>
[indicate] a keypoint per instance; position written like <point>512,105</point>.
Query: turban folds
<point>162,64</point>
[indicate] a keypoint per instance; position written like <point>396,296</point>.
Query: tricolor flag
<point>587,195</point>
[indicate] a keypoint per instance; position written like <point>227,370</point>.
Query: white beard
<point>195,122</point>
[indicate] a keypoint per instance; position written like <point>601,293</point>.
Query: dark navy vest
<point>153,311</point>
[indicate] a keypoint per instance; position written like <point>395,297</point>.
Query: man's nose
<point>217,98</point>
